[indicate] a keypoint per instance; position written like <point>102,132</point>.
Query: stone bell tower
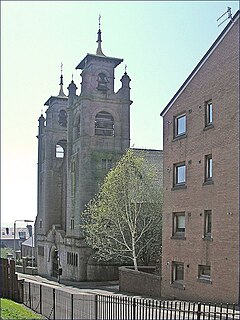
<point>52,143</point>
<point>83,137</point>
<point>98,130</point>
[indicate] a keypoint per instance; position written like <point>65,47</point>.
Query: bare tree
<point>123,221</point>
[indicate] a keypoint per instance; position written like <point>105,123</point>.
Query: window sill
<point>179,187</point>
<point>178,237</point>
<point>178,285</point>
<point>208,182</point>
<point>207,238</point>
<point>208,281</point>
<point>208,126</point>
<point>182,136</point>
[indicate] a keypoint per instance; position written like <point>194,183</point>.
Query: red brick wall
<point>218,79</point>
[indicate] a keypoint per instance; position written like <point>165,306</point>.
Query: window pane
<point>210,119</point>
<point>208,222</point>
<point>181,125</point>
<point>180,174</point>
<point>59,151</point>
<point>210,167</point>
<point>180,223</point>
<point>179,272</point>
<point>204,272</point>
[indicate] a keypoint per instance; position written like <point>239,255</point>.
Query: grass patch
<point>12,310</point>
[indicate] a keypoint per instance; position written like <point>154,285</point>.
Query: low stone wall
<point>140,282</point>
<point>27,270</point>
<point>99,272</point>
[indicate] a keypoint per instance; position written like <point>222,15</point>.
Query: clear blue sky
<point>160,41</point>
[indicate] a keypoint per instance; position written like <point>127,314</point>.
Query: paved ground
<point>107,287</point>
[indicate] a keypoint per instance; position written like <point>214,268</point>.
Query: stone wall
<point>142,282</point>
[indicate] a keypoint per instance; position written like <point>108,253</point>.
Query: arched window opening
<point>59,151</point>
<point>62,118</point>
<point>102,81</point>
<point>104,124</point>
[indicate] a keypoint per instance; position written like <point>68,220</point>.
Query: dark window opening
<point>177,272</point>
<point>207,223</point>
<point>62,118</point>
<point>107,164</point>
<point>72,224</point>
<point>204,272</point>
<point>104,124</point>
<point>72,259</point>
<point>102,81</point>
<point>179,224</point>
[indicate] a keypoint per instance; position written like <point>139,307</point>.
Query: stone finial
<point>99,39</point>
<point>61,93</point>
<point>72,88</point>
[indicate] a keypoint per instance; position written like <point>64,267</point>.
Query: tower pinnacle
<point>99,39</point>
<point>61,93</point>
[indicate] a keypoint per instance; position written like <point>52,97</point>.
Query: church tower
<point>52,143</point>
<point>98,130</point>
<point>84,136</point>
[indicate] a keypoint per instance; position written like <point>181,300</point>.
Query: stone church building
<point>81,138</point>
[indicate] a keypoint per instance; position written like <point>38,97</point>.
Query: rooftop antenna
<point>228,17</point>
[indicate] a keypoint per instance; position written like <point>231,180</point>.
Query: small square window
<point>207,223</point>
<point>179,125</point>
<point>179,174</point>
<point>204,272</point>
<point>179,224</point>
<point>208,113</point>
<point>178,272</point>
<point>208,168</point>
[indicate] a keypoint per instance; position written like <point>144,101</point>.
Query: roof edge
<point>201,62</point>
<point>56,97</point>
<point>81,64</point>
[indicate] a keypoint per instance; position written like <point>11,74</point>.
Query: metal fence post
<point>96,306</point>
<point>72,311</point>
<point>134,308</point>
<point>54,305</point>
<point>40,294</point>
<point>199,311</point>
<point>29,295</point>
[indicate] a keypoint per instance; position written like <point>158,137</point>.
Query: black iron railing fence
<point>59,303</point>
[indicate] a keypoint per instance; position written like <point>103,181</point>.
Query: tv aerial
<point>229,13</point>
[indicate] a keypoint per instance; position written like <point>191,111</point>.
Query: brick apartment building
<point>201,178</point>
